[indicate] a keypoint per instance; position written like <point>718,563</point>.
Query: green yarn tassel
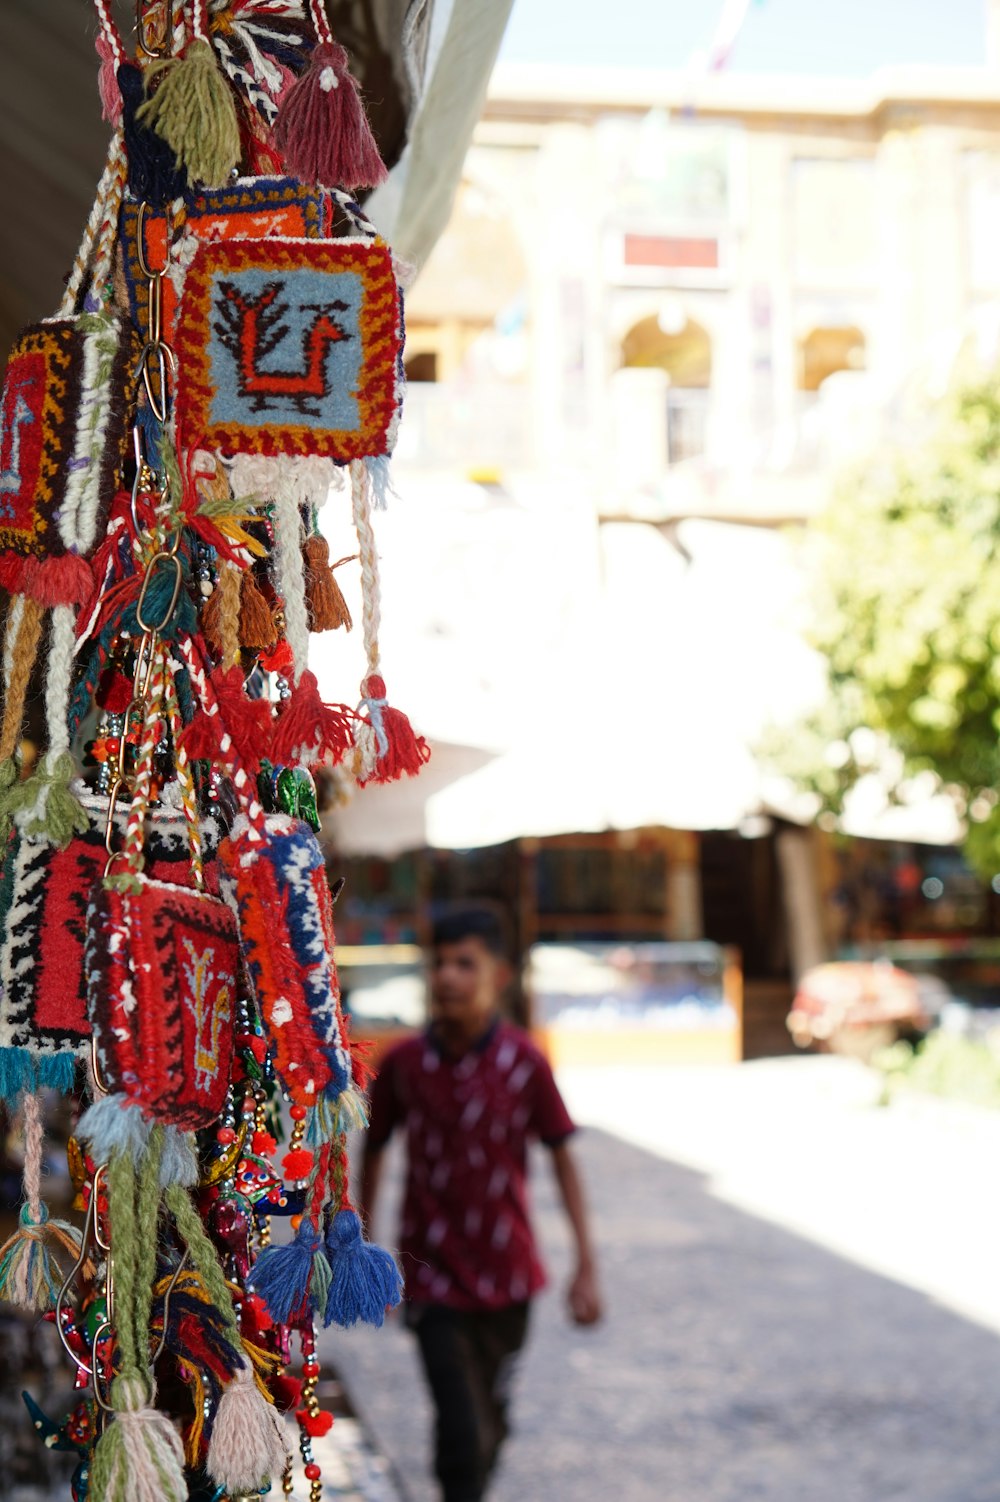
<point>10,776</point>
<point>194,111</point>
<point>30,1276</point>
<point>139,1457</point>
<point>57,812</point>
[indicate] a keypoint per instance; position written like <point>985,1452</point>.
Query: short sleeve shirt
<point>466,1238</point>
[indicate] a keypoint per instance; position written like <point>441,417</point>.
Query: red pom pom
<point>114,692</point>
<point>323,131</point>
<point>263,1144</point>
<point>315,1424</point>
<point>286,1392</point>
<point>310,731</point>
<point>280,660</point>
<point>298,1164</point>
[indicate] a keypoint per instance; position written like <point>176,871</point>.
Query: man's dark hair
<point>473,921</point>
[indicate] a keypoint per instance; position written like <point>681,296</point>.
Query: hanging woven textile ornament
<point>227,352</point>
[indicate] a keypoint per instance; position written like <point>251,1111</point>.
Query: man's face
<point>466,982</point>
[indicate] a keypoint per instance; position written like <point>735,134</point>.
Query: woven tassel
<point>212,619</point>
<point>139,1457</point>
<point>309,731</point>
<point>107,83</point>
<point>388,746</point>
<point>193,110</point>
<point>352,1111</point>
<point>113,1124</point>
<point>365,1280</point>
<point>323,132</point>
<point>66,580</point>
<point>282,1275</point>
<point>179,1163</point>
<point>30,1276</point>
<point>324,601</point>
<point>49,806</point>
<point>246,721</point>
<point>257,628</point>
<point>246,1449</point>
<point>380,478</point>
<point>21,1070</point>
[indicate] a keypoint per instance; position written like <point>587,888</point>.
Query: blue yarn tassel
<point>179,1163</point>
<point>21,1070</point>
<point>29,1273</point>
<point>114,1124</point>
<point>282,1274</point>
<point>380,475</point>
<point>365,1280</point>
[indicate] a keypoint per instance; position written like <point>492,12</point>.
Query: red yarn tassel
<point>310,731</point>
<point>323,131</point>
<point>247,721</point>
<point>63,581</point>
<point>67,580</point>
<point>406,751</point>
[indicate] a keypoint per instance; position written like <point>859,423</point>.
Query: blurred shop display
<point>636,1003</point>
<point>893,991</point>
<point>855,1007</point>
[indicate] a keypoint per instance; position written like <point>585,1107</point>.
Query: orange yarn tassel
<point>324,601</point>
<point>257,629</point>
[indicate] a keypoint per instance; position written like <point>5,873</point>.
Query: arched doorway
<point>825,351</point>
<point>679,346</point>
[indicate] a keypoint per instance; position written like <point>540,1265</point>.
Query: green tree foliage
<point>905,582</point>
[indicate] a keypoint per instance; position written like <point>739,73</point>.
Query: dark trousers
<point>468,1359</point>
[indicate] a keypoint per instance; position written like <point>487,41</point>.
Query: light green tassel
<point>54,811</point>
<point>139,1457</point>
<point>194,111</point>
<point>10,773</point>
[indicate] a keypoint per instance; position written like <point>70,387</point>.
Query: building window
<point>422,366</point>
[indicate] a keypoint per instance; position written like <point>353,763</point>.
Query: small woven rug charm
<point>290,347</point>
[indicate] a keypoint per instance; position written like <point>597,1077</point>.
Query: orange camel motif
<point>251,328</point>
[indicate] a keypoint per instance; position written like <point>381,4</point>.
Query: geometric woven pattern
<point>290,347</point>
<point>257,208</point>
<point>162,966</point>
<point>63,424</point>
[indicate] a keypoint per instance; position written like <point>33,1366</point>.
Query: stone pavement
<point>743,1359</point>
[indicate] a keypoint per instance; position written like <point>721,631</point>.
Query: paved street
<point>742,1357</point>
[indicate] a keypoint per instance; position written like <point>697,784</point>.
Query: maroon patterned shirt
<point>466,1239</point>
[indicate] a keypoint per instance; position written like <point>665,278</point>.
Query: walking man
<point>470,1093</point>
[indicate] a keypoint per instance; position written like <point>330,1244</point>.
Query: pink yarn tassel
<point>323,132</point>
<point>107,83</point>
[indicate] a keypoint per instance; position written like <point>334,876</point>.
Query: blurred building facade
<point>706,294</point>
<point>666,314</point>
